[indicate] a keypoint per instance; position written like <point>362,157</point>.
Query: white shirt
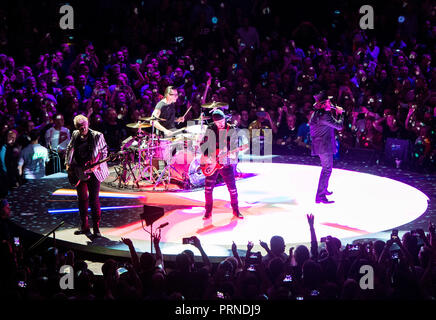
<point>33,159</point>
<point>57,139</point>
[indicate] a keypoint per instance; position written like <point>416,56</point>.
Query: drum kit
<point>147,158</point>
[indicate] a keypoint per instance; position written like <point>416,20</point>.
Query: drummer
<point>165,109</point>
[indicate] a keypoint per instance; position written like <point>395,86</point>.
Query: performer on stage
<point>165,109</point>
<point>322,127</point>
<point>222,131</point>
<point>88,146</point>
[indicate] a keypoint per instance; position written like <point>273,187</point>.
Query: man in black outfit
<point>165,109</point>
<point>227,134</point>
<point>322,131</point>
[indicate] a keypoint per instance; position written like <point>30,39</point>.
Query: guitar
<point>210,164</point>
<point>77,174</point>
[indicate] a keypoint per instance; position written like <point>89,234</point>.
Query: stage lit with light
<point>274,200</point>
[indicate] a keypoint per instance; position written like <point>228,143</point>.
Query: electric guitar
<point>77,174</point>
<point>210,164</point>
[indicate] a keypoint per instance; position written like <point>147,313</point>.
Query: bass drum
<point>186,168</point>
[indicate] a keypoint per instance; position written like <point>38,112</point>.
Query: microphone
<point>163,225</point>
<point>336,108</point>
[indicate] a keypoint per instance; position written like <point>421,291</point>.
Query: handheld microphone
<point>163,225</point>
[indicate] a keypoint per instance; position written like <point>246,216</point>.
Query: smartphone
<point>314,293</point>
<point>191,67</point>
<point>234,65</point>
<point>254,259</point>
<point>121,270</point>
<point>16,241</point>
<point>354,247</point>
<point>188,240</point>
<point>251,268</point>
<point>288,278</point>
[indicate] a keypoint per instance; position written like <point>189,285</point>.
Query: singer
<point>322,127</point>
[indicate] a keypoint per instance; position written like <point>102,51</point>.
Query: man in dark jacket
<point>322,131</point>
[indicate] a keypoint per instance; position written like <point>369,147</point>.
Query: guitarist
<point>86,147</point>
<point>221,129</point>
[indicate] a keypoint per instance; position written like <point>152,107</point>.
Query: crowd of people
<point>403,269</point>
<point>268,74</point>
<point>268,79</point>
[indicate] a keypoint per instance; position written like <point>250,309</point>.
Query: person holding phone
<point>322,131</point>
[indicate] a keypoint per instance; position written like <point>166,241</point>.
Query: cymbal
<point>199,119</point>
<point>215,104</point>
<point>137,125</point>
<point>152,118</point>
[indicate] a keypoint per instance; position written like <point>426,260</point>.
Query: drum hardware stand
<point>167,169</point>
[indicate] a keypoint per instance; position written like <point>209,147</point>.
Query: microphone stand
<point>37,243</point>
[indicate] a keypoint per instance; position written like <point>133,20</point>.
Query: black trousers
<point>326,171</point>
<point>228,174</point>
<point>91,186</point>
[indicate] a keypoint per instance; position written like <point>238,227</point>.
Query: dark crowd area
<point>398,269</point>
<point>266,61</point>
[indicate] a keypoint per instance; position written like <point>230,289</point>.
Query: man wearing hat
<point>225,135</point>
<point>322,131</point>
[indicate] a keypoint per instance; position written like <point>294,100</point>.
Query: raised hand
<point>431,227</point>
<point>310,219</point>
<point>234,247</point>
<point>156,237</point>
<point>127,241</point>
<point>264,245</point>
<point>250,245</point>
<point>197,242</point>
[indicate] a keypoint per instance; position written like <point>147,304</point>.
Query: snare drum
<point>186,167</point>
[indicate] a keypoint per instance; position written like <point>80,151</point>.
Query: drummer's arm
<point>157,125</point>
<point>208,82</point>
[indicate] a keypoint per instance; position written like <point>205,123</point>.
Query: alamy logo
<point>367,280</point>
<point>67,280</point>
<point>67,20</point>
<point>367,20</point>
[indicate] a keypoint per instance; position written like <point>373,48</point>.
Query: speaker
<point>151,214</point>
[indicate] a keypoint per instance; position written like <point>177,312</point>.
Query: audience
<point>267,70</point>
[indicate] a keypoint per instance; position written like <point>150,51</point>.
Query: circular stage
<point>274,199</point>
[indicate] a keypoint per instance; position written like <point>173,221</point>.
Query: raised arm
<point>204,256</point>
<point>236,255</point>
<point>133,254</point>
<point>313,240</point>
<point>330,121</point>
<point>159,256</point>
<point>208,82</point>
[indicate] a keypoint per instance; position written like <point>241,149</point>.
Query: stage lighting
<point>214,20</point>
<point>401,19</point>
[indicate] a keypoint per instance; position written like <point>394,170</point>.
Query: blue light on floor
<point>57,211</point>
